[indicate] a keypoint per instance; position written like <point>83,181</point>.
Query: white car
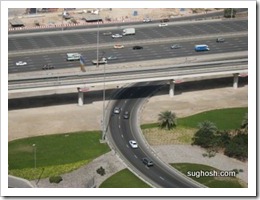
<point>21,63</point>
<point>147,20</point>
<point>117,110</point>
<point>163,24</point>
<point>133,144</point>
<point>116,36</point>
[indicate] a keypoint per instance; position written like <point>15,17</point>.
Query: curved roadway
<point>122,130</point>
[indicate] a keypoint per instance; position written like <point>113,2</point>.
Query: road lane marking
<point>122,136</point>
<point>135,156</point>
<point>162,178</point>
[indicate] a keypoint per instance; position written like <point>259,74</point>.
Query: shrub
<point>55,179</point>
<point>101,171</point>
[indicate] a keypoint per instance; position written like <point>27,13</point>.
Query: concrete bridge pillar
<point>80,98</point>
<point>235,81</point>
<point>172,86</point>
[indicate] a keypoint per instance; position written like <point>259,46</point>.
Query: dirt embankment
<point>109,14</point>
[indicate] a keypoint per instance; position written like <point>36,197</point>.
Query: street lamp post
<point>34,149</point>
<point>104,104</point>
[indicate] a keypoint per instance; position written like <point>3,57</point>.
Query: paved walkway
<point>87,175</point>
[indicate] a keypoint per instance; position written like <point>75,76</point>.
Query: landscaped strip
<point>53,154</point>
<point>124,179</point>
<point>201,174</point>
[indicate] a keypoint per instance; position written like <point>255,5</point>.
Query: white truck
<point>101,61</point>
<point>128,31</point>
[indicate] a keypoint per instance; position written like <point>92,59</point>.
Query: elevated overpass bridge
<point>174,73</point>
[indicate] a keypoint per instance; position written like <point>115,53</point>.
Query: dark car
<point>137,47</point>
<point>126,115</point>
<point>147,162</point>
<point>220,40</point>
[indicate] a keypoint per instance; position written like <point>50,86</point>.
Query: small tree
<point>230,13</point>
<point>167,119</point>
<point>205,136</point>
<point>244,124</point>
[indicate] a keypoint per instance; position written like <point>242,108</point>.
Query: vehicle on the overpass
<point>176,46</point>
<point>21,63</point>
<point>117,35</point>
<point>111,57</point>
<point>201,47</point>
<point>147,20</point>
<point>163,24</point>
<point>45,67</point>
<point>137,47</point>
<point>100,61</point>
<point>107,33</point>
<point>118,46</point>
<point>129,31</point>
<point>220,40</point>
<point>73,56</point>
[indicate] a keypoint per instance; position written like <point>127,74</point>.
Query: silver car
<point>117,36</point>
<point>112,58</point>
<point>176,46</point>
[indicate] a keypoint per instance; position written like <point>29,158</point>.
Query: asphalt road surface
<point>122,130</point>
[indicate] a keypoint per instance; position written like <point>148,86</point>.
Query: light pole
<point>62,16</point>
<point>104,104</point>
<point>34,149</point>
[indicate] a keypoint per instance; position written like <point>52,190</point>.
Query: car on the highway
<point>148,162</point>
<point>47,67</point>
<point>117,110</point>
<point>163,24</point>
<point>107,33</point>
<point>117,36</point>
<point>147,20</point>
<point>137,47</point>
<point>133,144</point>
<point>219,40</point>
<point>21,63</point>
<point>111,57</point>
<point>118,46</point>
<point>126,115</point>
<point>176,46</point>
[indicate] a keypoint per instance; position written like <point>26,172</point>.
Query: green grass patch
<point>57,154</point>
<point>225,119</point>
<point>209,181</point>
<point>234,117</point>
<point>124,179</point>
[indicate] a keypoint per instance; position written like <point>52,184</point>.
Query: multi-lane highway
<point>39,48</point>
<point>51,48</point>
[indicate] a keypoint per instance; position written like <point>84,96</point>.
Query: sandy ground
<point>116,14</point>
<point>60,113</point>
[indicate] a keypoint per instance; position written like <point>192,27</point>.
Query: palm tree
<point>207,126</point>
<point>205,136</point>
<point>167,119</point>
<point>244,124</point>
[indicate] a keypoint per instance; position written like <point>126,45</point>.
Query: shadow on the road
<point>130,93</point>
